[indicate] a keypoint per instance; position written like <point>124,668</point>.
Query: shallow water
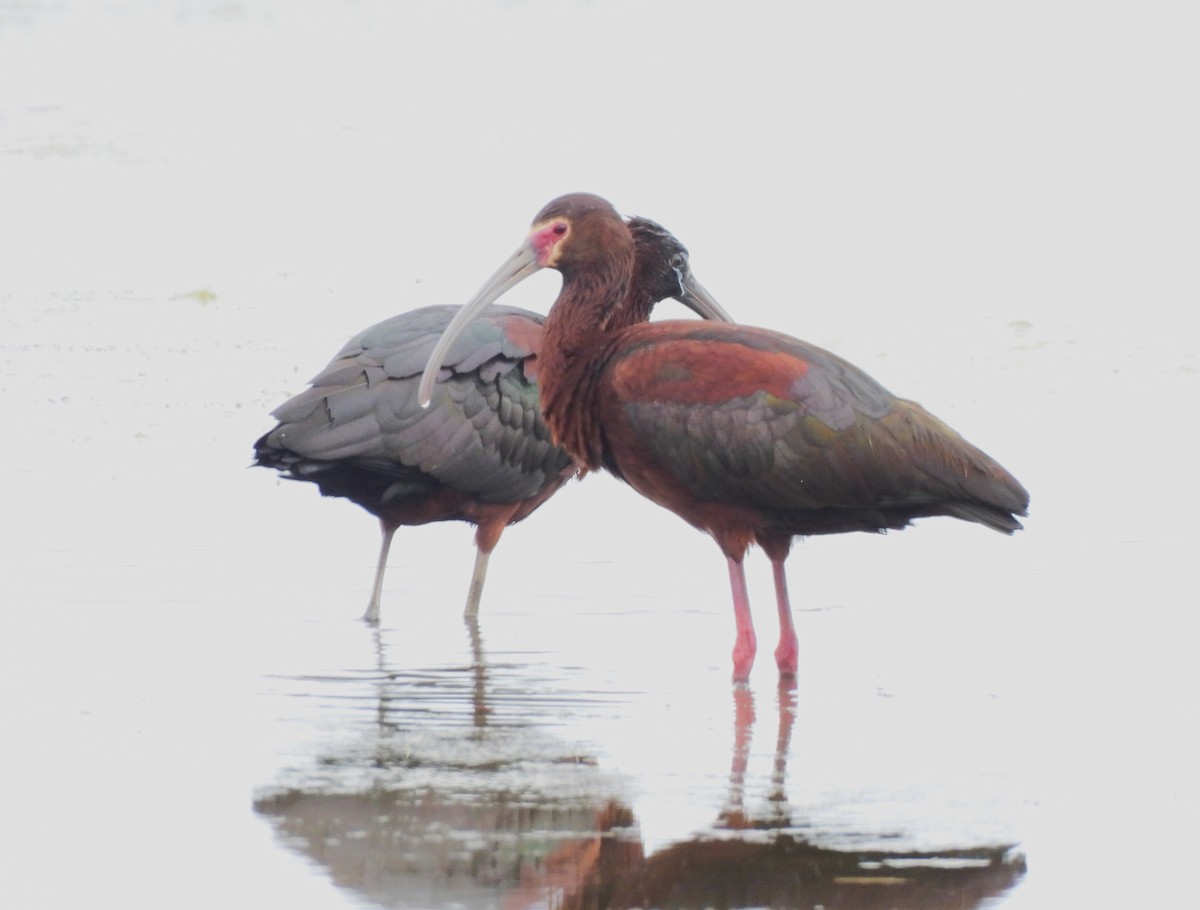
<point>496,782</point>
<point>201,202</point>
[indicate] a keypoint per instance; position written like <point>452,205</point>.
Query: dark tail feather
<point>996,519</point>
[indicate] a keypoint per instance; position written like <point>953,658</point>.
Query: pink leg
<point>746,645</point>
<point>788,651</point>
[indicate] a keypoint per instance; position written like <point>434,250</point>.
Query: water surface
<point>989,210</point>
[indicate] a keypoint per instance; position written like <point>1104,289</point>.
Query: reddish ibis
<point>482,453</point>
<point>745,433</point>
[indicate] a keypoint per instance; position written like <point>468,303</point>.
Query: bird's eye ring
<point>560,228</point>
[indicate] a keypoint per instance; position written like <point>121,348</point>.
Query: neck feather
<point>575,347</point>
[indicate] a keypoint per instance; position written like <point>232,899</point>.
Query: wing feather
<point>481,434</point>
<point>753,418</point>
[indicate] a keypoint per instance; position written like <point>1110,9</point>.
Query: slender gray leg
<point>477,577</point>
<point>372,614</point>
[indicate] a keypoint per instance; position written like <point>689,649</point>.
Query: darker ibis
<point>745,433</point>
<point>482,452</point>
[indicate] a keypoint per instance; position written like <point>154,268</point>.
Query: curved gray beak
<point>519,266</point>
<point>699,301</point>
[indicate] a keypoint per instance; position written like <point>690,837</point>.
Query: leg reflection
<point>734,813</point>
<point>479,671</point>
<point>763,860</point>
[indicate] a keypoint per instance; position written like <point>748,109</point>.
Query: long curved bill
<point>700,302</point>
<point>519,266</point>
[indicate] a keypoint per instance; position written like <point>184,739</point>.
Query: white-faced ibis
<point>482,453</point>
<point>745,433</point>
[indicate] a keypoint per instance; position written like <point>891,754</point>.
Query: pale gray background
<point>990,207</point>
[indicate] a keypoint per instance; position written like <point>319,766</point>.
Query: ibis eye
<point>679,262</point>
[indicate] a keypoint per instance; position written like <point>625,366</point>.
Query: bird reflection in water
<point>460,793</point>
<point>448,784</point>
<point>757,861</point>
